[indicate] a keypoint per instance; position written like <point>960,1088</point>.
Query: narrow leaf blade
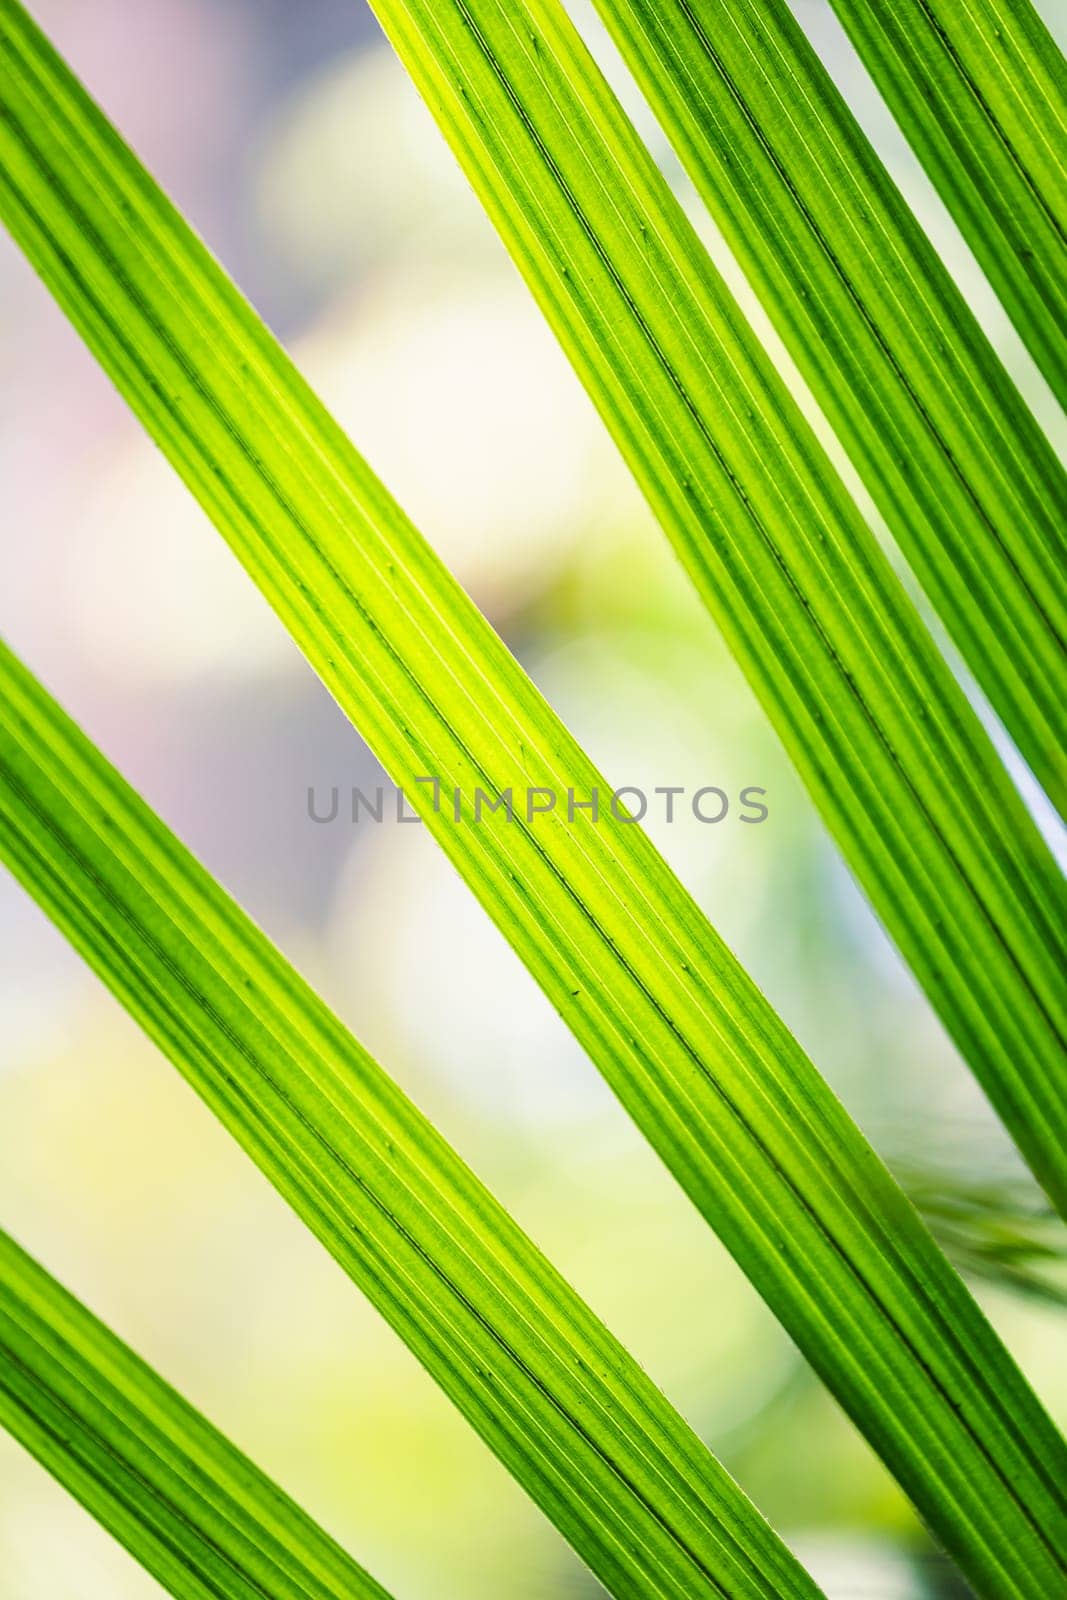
<point>967,482</point>
<point>189,1506</point>
<point>895,758</point>
<point>980,91</point>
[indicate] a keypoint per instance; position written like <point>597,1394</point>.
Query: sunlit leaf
<point>705,1067</point>
<point>891,751</point>
<point>966,480</point>
<point>980,90</point>
<point>193,1510</point>
<point>562,1404</point>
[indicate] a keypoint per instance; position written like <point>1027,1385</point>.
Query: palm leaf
<point>193,1510</point>
<point>967,482</point>
<point>682,1035</point>
<point>554,1395</point>
<point>893,755</point>
<point>980,90</point>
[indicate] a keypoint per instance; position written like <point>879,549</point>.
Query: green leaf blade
<point>896,760</point>
<point>681,1034</point>
<point>967,482</point>
<point>536,1374</point>
<point>190,1507</point>
<point>980,91</point>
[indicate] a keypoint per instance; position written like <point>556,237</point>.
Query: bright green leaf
<point>699,1058</point>
<point>891,751</point>
<point>966,480</point>
<point>562,1404</point>
<point>193,1510</point>
<point>980,90</point>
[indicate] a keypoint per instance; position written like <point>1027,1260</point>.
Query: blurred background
<point>292,140</point>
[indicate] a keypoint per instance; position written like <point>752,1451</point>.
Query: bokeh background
<point>292,140</point>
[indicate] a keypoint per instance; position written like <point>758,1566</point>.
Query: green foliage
<point>980,90</point>
<point>967,482</point>
<point>896,759</point>
<point>683,1036</point>
<point>192,1509</point>
<point>891,751</point>
<point>562,1404</point>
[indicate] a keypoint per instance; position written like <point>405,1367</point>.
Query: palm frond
<point>995,1228</point>
<point>683,1036</point>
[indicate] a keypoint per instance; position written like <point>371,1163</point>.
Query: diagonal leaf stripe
<point>680,1032</point>
<point>967,482</point>
<point>567,1410</point>
<point>893,755</point>
<point>980,90</point>
<point>192,1509</point>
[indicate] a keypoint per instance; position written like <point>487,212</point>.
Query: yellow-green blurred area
<point>293,142</point>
